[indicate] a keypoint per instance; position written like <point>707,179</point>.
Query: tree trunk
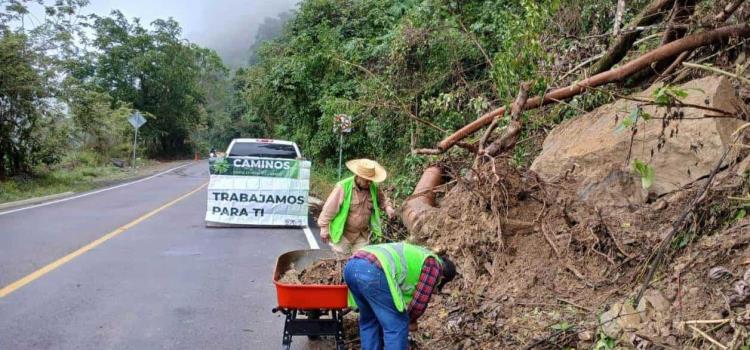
<point>618,17</point>
<point>418,204</point>
<point>3,174</point>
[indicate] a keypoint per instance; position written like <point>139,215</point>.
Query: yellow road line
<point>59,262</point>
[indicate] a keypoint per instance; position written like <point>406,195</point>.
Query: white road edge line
<point>310,238</point>
<point>94,192</point>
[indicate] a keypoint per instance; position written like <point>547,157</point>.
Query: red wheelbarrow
<point>323,306</point>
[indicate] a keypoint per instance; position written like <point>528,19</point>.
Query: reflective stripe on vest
<point>402,264</point>
<point>388,252</point>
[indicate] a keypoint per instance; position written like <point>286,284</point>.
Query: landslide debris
<point>557,262</point>
<point>323,271</point>
<point>546,267</point>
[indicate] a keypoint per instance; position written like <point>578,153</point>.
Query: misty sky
<point>227,26</point>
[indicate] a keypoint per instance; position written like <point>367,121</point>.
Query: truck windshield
<point>262,150</point>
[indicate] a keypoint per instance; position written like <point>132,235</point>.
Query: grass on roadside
<point>322,181</point>
<point>76,172</point>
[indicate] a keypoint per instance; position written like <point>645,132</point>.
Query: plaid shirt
<point>428,280</point>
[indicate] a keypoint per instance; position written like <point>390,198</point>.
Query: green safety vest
<point>336,228</point>
<point>402,264</point>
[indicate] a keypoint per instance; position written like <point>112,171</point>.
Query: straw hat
<point>368,169</point>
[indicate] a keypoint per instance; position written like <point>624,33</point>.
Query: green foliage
<point>156,72</point>
<point>98,126</point>
<point>604,342</point>
<point>176,84</point>
<point>683,239</point>
<point>645,171</point>
<point>395,66</point>
<point>631,120</point>
<point>70,81</point>
<point>667,95</point>
<point>406,174</point>
<point>746,344</point>
<point>563,326</point>
<point>75,171</point>
<point>23,111</point>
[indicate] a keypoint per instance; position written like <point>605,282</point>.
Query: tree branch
<point>510,136</point>
<point>648,16</point>
<point>674,48</point>
<point>718,71</point>
<point>728,11</point>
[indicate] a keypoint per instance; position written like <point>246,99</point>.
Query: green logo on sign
<point>220,166</point>
<point>266,167</point>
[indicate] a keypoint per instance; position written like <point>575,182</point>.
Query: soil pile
<point>324,271</point>
<point>542,268</point>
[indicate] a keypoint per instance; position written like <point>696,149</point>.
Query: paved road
<point>163,282</point>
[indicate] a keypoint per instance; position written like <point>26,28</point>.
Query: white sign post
<point>342,124</point>
<point>136,120</point>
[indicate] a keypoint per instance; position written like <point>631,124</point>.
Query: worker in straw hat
<point>350,218</point>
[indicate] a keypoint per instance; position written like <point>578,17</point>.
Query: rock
<point>657,299</point>
<point>742,288</point>
<point>589,147</point>
<point>743,166</point>
<point>659,205</point>
<point>618,188</point>
<point>118,162</point>
<point>629,318</point>
<point>639,342</point>
<point>585,336</point>
<point>621,316</point>
<point>609,324</point>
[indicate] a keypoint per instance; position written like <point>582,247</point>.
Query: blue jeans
<point>381,326</point>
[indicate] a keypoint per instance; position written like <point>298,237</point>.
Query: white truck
<point>260,182</point>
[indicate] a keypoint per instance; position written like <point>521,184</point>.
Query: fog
<point>227,26</point>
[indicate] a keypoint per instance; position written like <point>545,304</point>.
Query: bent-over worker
<point>392,284</point>
<point>350,218</point>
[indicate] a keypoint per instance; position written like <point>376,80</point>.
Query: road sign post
<point>136,120</point>
<point>342,124</point>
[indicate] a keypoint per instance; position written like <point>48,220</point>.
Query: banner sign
<point>258,191</point>
<point>266,167</point>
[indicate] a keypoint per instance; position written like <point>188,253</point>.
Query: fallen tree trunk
<point>423,198</point>
<point>670,50</point>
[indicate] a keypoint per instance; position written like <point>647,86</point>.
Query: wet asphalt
<point>168,282</point>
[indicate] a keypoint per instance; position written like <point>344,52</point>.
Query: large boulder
<point>592,149</point>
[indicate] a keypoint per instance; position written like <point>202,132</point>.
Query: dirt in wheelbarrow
<point>324,271</point>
